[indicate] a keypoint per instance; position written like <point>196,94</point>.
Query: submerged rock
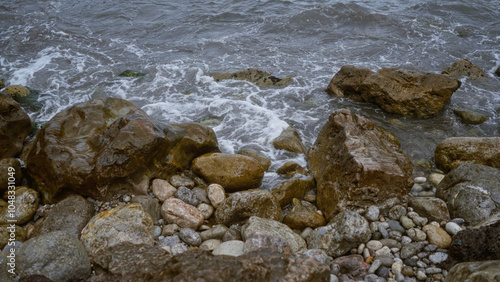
<point>57,255</point>
<point>464,67</point>
<point>108,145</point>
<point>27,98</point>
<point>454,151</point>
<point>131,73</point>
<point>470,117</point>
<point>472,192</point>
<point>233,172</point>
<point>398,91</point>
<point>15,125</point>
<point>357,164</point>
<point>256,76</point>
<point>240,206</point>
<point>289,140</point>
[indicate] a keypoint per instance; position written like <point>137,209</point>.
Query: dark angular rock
<point>357,164</point>
<point>353,266</point>
<point>431,208</point>
<point>108,145</point>
<point>399,91</point>
<point>15,125</point>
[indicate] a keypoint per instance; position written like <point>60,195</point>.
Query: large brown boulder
<point>455,151</point>
<point>15,125</point>
<point>357,164</point>
<point>395,90</point>
<point>108,145</point>
<point>234,172</point>
<point>464,67</point>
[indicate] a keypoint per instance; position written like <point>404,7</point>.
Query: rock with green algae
<point>256,76</point>
<point>131,73</point>
<point>25,96</point>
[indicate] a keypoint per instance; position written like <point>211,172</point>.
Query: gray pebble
<point>382,272</point>
<point>421,264</point>
<point>375,265</point>
<point>432,270</point>
<point>458,220</point>
<point>201,195</point>
<point>438,257</point>
<point>383,231</point>
<point>405,240</point>
<point>396,212</point>
<point>179,180</point>
<point>187,195</point>
<point>333,278</point>
<point>396,226</point>
<point>421,275</point>
<point>430,248</point>
<point>157,231</point>
<point>396,235</point>
<point>190,237</point>
<point>178,248</point>
<point>385,260</point>
<point>372,213</point>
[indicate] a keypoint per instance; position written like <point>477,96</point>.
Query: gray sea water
<point>72,51</point>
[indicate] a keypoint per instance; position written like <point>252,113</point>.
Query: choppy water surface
<point>72,51</point>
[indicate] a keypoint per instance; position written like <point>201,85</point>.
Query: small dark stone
<point>382,272</point>
<point>187,195</point>
<point>411,262</point>
<point>231,234</point>
<point>497,72</point>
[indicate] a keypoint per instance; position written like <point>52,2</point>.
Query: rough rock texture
<point>132,262</point>
<point>356,163</point>
<point>293,188</point>
<point>176,211</point>
<point>257,225</point>
<point>256,76</point>
<point>5,233</point>
<point>352,267</point>
<point>26,204</point>
<point>261,242</point>
<point>399,91</point>
<point>4,173</point>
<point>289,140</point>
<point>70,215</point>
<point>470,117</point>
<point>233,172</point>
<point>241,205</point>
<point>345,231</point>
<point>431,208</point>
<point>455,151</point>
<point>108,145</point>
<point>291,168</point>
<point>464,67</point>
<point>471,192</point>
<point>150,205</point>
<point>15,125</point>
<point>475,271</point>
<point>256,266</point>
<point>126,223</point>
<point>57,255</point>
<point>474,245</point>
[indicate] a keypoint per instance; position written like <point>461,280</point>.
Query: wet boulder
<point>455,151</point>
<point>234,172</point>
<point>357,164</point>
<point>6,173</point>
<point>58,256</point>
<point>108,145</point>
<point>289,140</point>
<point>470,116</point>
<point>471,192</point>
<point>399,91</point>
<point>261,158</point>
<point>240,206</point>
<point>25,206</point>
<point>256,76</point>
<point>125,223</point>
<point>293,188</point>
<point>15,125</point>
<point>464,67</point>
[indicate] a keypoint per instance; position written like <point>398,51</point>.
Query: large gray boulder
<point>475,271</point>
<point>357,164</point>
<point>471,192</point>
<point>395,90</point>
<point>107,145</point>
<point>455,151</point>
<point>57,255</point>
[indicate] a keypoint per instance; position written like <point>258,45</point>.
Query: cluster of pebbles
<point>404,245</point>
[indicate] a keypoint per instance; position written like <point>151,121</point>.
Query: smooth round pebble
<point>452,228</point>
<point>190,236</point>
<point>372,213</point>
<point>384,251</point>
<point>420,179</point>
<point>206,210</point>
<point>397,266</point>
<point>374,245</point>
<point>375,265</point>
<point>421,275</point>
<point>406,222</point>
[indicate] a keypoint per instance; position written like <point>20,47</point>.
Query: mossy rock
<point>25,96</point>
<point>2,84</point>
<point>131,73</point>
<point>256,76</point>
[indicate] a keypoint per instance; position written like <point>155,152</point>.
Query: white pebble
<point>375,265</point>
<point>421,275</point>
<point>384,251</point>
<point>436,178</point>
<point>361,248</point>
<point>452,228</point>
<point>374,245</point>
<point>366,253</point>
<point>420,179</point>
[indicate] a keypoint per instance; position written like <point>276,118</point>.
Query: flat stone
<point>436,178</point>
<point>230,248</point>
<point>396,226</point>
<point>409,250</point>
<point>431,208</point>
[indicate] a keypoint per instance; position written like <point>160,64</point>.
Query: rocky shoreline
<point>103,192</point>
